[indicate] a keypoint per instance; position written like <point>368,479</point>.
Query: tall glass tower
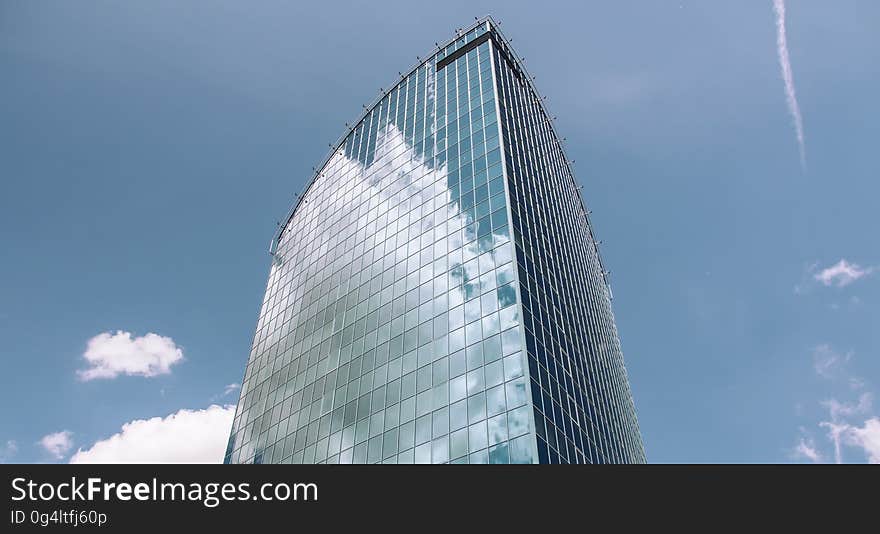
<point>436,294</point>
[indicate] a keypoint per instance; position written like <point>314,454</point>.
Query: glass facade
<point>436,295</point>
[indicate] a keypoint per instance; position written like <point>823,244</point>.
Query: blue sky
<point>148,149</point>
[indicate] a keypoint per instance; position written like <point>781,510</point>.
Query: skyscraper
<point>436,294</point>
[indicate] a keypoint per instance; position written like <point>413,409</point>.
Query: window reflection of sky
<point>389,331</point>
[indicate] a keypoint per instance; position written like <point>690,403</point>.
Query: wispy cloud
<point>839,430</point>
<point>841,410</point>
<point>841,424</point>
<point>835,431</point>
<point>827,361</point>
<point>227,390</point>
<point>842,273</point>
<point>806,448</point>
<point>803,287</point>
<point>111,355</point>
<point>788,78</point>
<point>57,444</point>
<point>8,451</point>
<point>865,437</point>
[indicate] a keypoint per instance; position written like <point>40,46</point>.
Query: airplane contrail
<point>785,65</point>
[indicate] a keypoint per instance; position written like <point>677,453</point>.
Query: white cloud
<point>806,448</point>
<point>58,444</point>
<point>111,355</point>
<point>186,436</point>
<point>8,451</point>
<point>866,437</point>
<point>842,274</point>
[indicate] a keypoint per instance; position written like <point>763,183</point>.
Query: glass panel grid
<point>412,316</point>
<point>392,293</point>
